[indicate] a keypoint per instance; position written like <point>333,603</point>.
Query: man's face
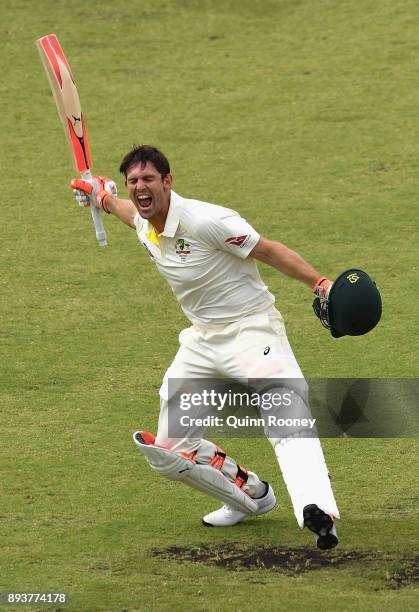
<point>149,192</point>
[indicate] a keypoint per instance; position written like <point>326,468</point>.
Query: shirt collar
<point>173,215</point>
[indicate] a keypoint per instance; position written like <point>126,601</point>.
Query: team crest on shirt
<point>182,248</point>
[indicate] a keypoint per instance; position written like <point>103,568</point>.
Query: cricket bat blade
<point>67,100</point>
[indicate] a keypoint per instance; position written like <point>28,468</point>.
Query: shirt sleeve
<point>229,232</point>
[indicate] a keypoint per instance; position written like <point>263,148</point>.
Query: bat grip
<point>97,219</point>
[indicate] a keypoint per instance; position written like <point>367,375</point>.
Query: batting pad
<point>202,477</point>
<point>305,473</point>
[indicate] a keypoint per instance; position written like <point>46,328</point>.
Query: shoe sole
<point>320,523</point>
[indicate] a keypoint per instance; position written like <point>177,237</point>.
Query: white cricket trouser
<point>238,351</point>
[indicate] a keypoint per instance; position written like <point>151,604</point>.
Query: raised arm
<point>289,263</point>
<point>123,209</point>
<point>105,195</point>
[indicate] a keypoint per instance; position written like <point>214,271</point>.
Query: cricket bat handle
<point>97,219</point>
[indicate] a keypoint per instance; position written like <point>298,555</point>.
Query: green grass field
<point>302,115</point>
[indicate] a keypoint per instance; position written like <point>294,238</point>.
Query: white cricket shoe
<point>227,516</point>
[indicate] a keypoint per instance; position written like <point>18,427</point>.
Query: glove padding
<point>99,186</point>
<point>320,304</point>
<point>322,288</point>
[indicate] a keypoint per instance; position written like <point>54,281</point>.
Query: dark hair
<point>142,154</point>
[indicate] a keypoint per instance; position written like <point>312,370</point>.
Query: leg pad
<point>202,477</point>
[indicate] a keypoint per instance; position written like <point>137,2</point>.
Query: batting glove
<point>322,287</point>
<point>101,187</point>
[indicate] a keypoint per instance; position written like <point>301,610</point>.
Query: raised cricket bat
<point>69,110</point>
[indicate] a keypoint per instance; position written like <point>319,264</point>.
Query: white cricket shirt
<point>202,253</point>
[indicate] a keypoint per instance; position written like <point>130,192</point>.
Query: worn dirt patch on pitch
<point>406,576</point>
<point>291,561</point>
<point>286,560</point>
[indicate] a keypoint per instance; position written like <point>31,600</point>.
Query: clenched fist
<point>101,187</point>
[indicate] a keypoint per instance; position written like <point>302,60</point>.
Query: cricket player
<point>208,254</point>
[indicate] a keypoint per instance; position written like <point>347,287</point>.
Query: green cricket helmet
<point>353,306</point>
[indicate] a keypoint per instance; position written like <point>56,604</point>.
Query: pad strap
<point>242,476</point>
<point>217,461</point>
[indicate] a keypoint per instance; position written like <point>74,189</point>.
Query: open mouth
<point>144,201</point>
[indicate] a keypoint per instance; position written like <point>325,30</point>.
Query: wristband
<point>102,196</point>
<point>320,282</point>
